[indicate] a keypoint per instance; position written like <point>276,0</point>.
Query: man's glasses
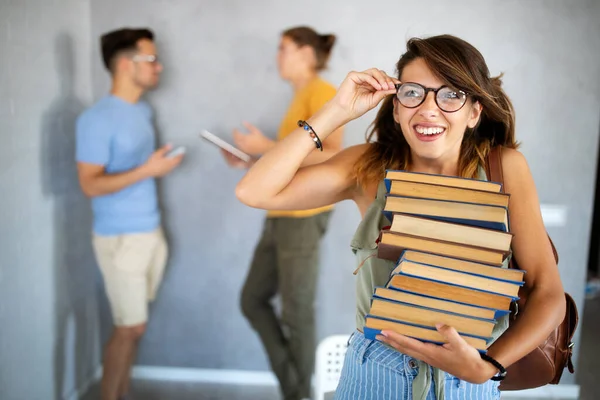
<point>149,58</point>
<point>412,95</point>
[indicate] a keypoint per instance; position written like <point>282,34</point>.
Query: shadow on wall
<point>77,344</point>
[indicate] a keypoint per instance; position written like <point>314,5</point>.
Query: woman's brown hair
<point>321,44</point>
<point>461,66</point>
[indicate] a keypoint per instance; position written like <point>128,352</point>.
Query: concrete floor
<point>588,372</point>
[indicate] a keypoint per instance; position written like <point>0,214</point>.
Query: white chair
<point>328,364</point>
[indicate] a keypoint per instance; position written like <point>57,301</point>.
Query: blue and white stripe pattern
<point>374,371</point>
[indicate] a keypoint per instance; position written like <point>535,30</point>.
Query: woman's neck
<point>442,166</point>
<point>300,81</point>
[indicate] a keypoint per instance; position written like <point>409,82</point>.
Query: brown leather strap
<point>494,167</point>
<point>494,173</point>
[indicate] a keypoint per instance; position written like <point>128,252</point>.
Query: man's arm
<point>94,180</point>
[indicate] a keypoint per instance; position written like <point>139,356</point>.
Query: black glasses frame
<point>427,90</point>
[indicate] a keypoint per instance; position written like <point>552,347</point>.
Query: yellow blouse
<point>305,103</point>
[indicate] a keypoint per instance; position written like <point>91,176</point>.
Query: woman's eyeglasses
<point>412,95</point>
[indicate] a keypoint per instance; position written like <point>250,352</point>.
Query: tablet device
<point>224,145</point>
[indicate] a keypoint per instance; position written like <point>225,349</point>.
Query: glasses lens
<point>410,95</point>
<point>450,100</point>
<point>149,58</point>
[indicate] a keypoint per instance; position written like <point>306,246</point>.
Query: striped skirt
<point>373,371</point>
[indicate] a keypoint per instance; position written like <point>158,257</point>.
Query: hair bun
<point>327,42</point>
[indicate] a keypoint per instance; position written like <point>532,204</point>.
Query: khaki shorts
<point>132,266</point>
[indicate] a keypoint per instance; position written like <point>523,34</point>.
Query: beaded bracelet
<point>304,125</point>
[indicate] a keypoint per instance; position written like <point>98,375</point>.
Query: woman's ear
<point>475,115</point>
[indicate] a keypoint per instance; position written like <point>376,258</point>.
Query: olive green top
<point>376,272</point>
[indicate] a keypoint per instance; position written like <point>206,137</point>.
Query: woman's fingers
<point>382,78</point>
<point>361,78</point>
<point>375,78</point>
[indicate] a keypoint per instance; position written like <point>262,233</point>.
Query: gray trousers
<point>286,262</point>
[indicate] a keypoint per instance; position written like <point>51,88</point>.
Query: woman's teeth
<point>429,130</point>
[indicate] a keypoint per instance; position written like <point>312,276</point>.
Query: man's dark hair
<point>121,40</point>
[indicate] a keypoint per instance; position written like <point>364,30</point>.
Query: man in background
<point>117,165</point>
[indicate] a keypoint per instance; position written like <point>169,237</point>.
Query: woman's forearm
<point>274,170</point>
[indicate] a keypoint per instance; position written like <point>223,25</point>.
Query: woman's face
<point>292,59</point>
<point>431,133</point>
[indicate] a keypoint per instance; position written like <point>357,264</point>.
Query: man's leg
<point>155,275</point>
<point>298,261</point>
<point>118,357</point>
<point>124,261</point>
<point>259,289</point>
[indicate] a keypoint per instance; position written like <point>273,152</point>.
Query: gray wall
<point>220,70</point>
<point>49,325</point>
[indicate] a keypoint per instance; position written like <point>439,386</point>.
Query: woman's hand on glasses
<point>363,91</point>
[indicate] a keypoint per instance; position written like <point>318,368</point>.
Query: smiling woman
<point>442,115</point>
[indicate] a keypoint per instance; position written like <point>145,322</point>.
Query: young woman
<point>286,259</point>
<point>442,116</point>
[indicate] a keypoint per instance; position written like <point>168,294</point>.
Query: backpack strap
<point>493,170</point>
<point>494,166</point>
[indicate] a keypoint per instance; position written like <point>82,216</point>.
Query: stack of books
<point>449,237</point>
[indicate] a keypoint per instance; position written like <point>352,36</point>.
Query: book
<point>478,215</point>
<point>458,278</point>
<point>214,139</point>
<point>374,325</point>
<point>451,232</point>
<point>459,294</point>
<point>449,193</point>
<point>438,303</point>
<point>457,264</point>
<point>425,316</point>
<point>443,180</point>
<point>392,245</point>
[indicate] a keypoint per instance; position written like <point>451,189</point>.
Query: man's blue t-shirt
<point>120,136</point>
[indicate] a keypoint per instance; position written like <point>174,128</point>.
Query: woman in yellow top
<point>286,259</point>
